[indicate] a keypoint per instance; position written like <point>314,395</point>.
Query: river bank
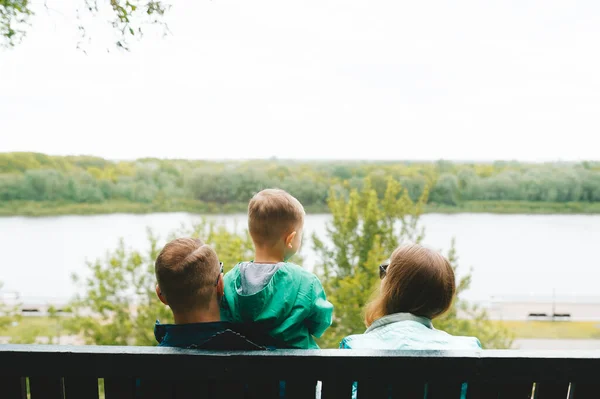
<point>56,208</point>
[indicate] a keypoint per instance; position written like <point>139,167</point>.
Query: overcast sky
<point>477,80</point>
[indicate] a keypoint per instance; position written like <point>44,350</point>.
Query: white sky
<point>330,79</point>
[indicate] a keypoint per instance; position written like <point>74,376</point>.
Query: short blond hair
<point>272,213</point>
<point>186,270</point>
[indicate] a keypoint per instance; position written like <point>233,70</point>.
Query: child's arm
<point>320,315</point>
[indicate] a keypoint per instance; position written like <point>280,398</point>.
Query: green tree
<point>445,190</point>
<point>363,232</point>
<point>14,14</point>
<point>468,183</point>
<point>118,305</point>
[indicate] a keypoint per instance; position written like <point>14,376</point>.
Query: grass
<point>42,326</point>
<point>53,208</point>
<point>30,327</point>
<point>554,329</point>
<point>518,207</point>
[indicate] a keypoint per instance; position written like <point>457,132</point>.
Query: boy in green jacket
<point>274,295</point>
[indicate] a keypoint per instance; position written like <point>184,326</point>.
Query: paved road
<point>557,344</point>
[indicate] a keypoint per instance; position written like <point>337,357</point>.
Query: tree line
<point>85,179</point>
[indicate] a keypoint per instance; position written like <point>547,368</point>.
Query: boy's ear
<point>160,295</point>
<point>290,238</point>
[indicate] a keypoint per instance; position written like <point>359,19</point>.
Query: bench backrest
<point>73,372</point>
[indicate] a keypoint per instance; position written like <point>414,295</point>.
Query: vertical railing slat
<point>46,388</point>
<point>263,389</point>
<point>81,387</point>
<point>521,390</point>
<point>546,390</point>
<point>494,390</point>
<point>155,389</point>
<point>119,388</point>
<point>13,387</point>
<point>300,389</point>
<point>408,389</point>
<point>411,390</point>
<point>584,390</point>
<point>482,390</point>
<point>229,389</point>
<point>516,390</point>
<point>444,390</point>
<point>194,389</point>
<point>369,388</point>
<point>337,389</point>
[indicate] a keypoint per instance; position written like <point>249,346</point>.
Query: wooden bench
<point>73,372</point>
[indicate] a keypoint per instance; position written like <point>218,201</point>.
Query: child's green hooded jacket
<point>282,299</point>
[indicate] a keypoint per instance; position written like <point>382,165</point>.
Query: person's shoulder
<point>233,273</point>
<point>298,271</point>
<point>360,341</point>
<point>228,340</point>
<point>470,342</point>
<point>294,274</point>
<point>460,341</point>
<point>346,343</point>
<point>259,335</point>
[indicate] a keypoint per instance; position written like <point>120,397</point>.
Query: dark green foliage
<point>93,180</point>
<point>14,15</point>
<point>445,190</point>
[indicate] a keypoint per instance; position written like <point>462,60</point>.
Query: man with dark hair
<point>190,281</point>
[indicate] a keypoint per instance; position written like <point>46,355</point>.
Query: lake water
<point>525,256</point>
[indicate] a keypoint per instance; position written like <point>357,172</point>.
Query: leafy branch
<point>129,18</point>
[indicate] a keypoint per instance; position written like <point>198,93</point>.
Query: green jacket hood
<point>258,298</point>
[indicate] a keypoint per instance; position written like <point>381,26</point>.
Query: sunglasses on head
<point>220,272</point>
<point>383,270</point>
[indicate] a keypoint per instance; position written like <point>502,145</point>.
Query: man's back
<point>210,336</point>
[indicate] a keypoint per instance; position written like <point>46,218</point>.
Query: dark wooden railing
<point>81,372</point>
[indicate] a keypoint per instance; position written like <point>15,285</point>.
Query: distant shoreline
<point>54,208</point>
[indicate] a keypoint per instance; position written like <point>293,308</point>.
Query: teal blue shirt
<point>409,332</point>
<point>406,331</point>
